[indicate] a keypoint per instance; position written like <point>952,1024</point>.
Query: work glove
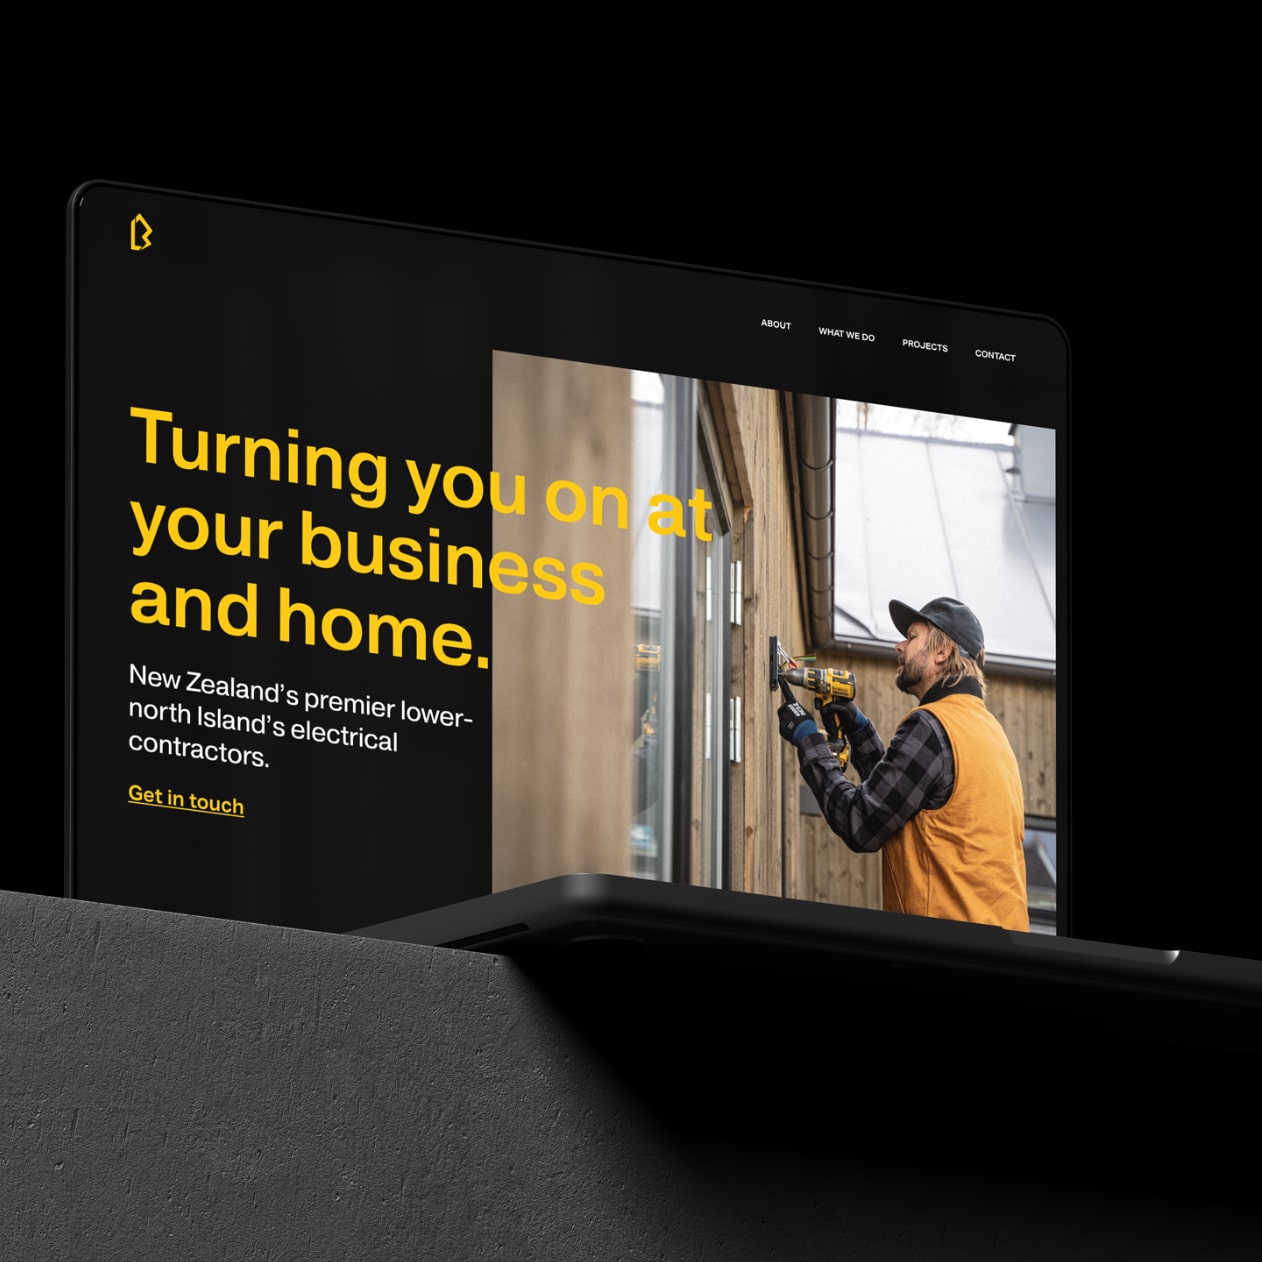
<point>795,723</point>
<point>841,716</point>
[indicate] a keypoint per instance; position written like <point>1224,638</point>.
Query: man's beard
<point>910,673</point>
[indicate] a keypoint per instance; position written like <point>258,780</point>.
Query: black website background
<point>1130,883</point>
<point>350,357</point>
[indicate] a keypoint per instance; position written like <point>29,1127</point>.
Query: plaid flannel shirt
<point>916,773</point>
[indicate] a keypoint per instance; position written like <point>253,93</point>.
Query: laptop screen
<point>409,566</point>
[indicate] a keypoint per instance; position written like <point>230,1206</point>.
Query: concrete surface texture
<point>174,1087</point>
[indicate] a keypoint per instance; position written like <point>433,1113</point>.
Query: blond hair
<point>956,666</point>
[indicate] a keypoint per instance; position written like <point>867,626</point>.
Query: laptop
<point>445,587</point>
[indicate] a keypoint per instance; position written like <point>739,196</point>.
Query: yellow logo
<point>145,243</point>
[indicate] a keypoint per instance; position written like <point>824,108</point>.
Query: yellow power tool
<point>828,685</point>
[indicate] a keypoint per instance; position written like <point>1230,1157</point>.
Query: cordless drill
<point>827,685</point>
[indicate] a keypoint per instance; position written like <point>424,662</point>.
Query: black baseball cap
<point>949,615</point>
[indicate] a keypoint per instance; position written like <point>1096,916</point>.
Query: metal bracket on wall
<point>777,654</point>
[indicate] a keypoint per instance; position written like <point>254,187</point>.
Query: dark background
<point>1012,240</point>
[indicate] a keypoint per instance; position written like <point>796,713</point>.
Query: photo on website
<point>680,563</point>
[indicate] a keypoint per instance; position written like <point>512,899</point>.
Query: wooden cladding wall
<point>765,824</point>
<point>1027,710</point>
<point>560,787</point>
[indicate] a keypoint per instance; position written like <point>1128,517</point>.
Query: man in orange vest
<point>943,804</point>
